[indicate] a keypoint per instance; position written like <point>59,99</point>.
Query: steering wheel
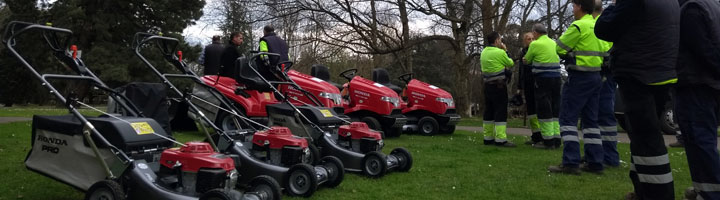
<point>348,74</point>
<point>406,78</point>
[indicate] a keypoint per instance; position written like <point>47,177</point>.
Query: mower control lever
<point>406,77</point>
<point>348,74</point>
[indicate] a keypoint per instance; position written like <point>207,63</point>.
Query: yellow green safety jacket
<point>493,61</point>
<point>582,50</point>
<point>543,58</point>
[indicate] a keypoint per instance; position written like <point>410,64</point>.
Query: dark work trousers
<point>697,112</point>
<point>607,121</point>
<point>529,93</point>
<point>496,103</point>
<point>580,96</point>
<point>547,95</point>
<point>650,169</point>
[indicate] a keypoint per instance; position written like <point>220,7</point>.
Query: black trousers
<point>547,95</point>
<point>496,101</point>
<point>529,93</point>
<point>650,170</point>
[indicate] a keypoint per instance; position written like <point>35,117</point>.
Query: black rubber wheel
<point>301,180</point>
<point>372,122</point>
<point>215,194</point>
<point>667,120</point>
<point>374,165</point>
<point>428,126</point>
<point>224,121</point>
<point>394,132</point>
<point>405,160</point>
<point>447,129</point>
<point>314,156</point>
<point>105,190</point>
<point>336,170</point>
<point>265,187</point>
<point>621,121</point>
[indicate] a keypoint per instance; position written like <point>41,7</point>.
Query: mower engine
<point>359,137</point>
<point>280,147</point>
<point>196,168</point>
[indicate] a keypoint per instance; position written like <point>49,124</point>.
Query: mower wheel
<point>215,194</point>
<point>428,126</point>
<point>314,157</point>
<point>373,124</point>
<point>447,129</point>
<point>374,164</point>
<point>394,132</point>
<point>404,157</point>
<point>336,170</point>
<point>301,180</point>
<point>224,121</point>
<point>105,190</point>
<point>265,187</point>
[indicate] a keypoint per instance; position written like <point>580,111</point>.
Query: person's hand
<point>502,46</point>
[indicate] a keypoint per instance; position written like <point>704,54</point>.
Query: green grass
<point>478,121</point>
<point>455,166</point>
<point>29,111</point>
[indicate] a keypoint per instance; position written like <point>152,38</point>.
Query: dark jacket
<point>699,60</point>
<point>646,38</point>
<point>213,55</point>
<point>229,55</point>
<point>276,45</point>
<point>525,72</point>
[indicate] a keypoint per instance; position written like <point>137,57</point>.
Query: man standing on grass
<point>493,61</point>
<point>698,94</point>
<point>582,52</point>
<point>527,88</point>
<point>645,36</point>
<point>542,56</point>
<point>606,111</point>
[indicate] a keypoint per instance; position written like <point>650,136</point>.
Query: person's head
<point>216,39</point>
<point>236,38</point>
<point>268,29</point>
<point>493,38</point>
<point>528,38</point>
<point>539,30</point>
<point>582,7</point>
<point>598,8</point>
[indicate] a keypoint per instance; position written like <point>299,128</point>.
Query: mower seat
<point>322,72</point>
<point>380,75</point>
<point>248,77</point>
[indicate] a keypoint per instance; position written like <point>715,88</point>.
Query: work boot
<point>546,144</point>
<point>558,142</point>
<point>534,138</point>
<point>563,169</point>
<point>505,144</point>
<point>677,144</point>
<point>690,193</point>
<point>586,168</point>
<point>630,196</point>
<point>488,142</point>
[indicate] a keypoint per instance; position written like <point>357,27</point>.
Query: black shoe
<point>690,193</point>
<point>586,168</point>
<point>558,142</point>
<point>488,142</point>
<point>563,169</point>
<point>677,144</point>
<point>547,144</point>
<point>531,142</point>
<point>630,196</point>
<point>505,144</point>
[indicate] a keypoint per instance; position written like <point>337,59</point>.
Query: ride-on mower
<point>428,108</point>
<point>121,157</point>
<point>273,151</point>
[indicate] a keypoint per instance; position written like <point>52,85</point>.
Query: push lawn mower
<point>428,108</point>
<point>353,143</point>
<point>119,157</point>
<point>273,151</point>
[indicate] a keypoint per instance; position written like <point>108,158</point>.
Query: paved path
<point>13,119</point>
<point>622,137</point>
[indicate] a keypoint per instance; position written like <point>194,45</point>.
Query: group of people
<point>649,47</point>
<point>219,59</point>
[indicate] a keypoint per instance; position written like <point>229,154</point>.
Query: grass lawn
<point>478,121</point>
<point>454,166</point>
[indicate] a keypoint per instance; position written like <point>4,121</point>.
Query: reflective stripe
<point>494,78</point>
<point>655,179</point>
<point>570,138</point>
<point>568,128</point>
<point>500,140</point>
<point>608,128</point>
<point>563,46</point>
<point>632,167</point>
<point>548,137</point>
<point>491,74</point>
<point>545,120</point>
<point>590,53</point>
<point>651,161</point>
<point>706,187</point>
<point>592,140</point>
<point>555,119</point>
<point>609,138</point>
<point>488,122</point>
<point>532,116</point>
<point>500,123</point>
<point>591,131</point>
<point>535,71</point>
<point>556,136</point>
<point>584,68</point>
<point>489,138</point>
<point>665,82</point>
<point>546,64</point>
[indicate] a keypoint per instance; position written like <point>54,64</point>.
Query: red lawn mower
<point>273,151</point>
<point>428,108</point>
<point>113,157</point>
